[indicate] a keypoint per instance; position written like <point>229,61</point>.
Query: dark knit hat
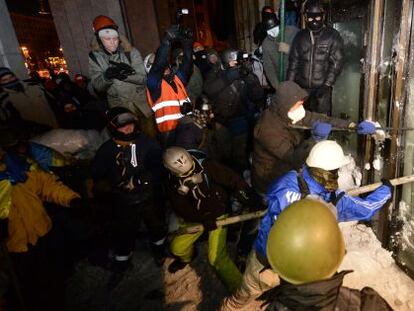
<point>5,71</point>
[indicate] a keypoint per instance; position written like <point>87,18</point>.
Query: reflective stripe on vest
<point>167,108</point>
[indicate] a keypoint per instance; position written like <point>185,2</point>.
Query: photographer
<point>165,86</point>
<point>234,92</point>
<point>117,72</point>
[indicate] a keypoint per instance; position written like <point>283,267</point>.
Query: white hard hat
<point>327,155</point>
<point>178,161</point>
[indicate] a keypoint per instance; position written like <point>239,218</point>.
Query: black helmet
<point>228,55</point>
<point>119,117</point>
<point>268,12</point>
<point>271,22</point>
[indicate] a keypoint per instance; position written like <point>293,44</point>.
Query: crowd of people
<point>191,132</point>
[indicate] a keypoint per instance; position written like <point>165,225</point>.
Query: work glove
<point>76,203</point>
<point>4,229</point>
<point>321,130</point>
<point>284,47</point>
<point>366,128</point>
<point>172,33</point>
<point>251,200</point>
<point>386,182</point>
<point>232,74</point>
<point>210,225</point>
<point>112,73</point>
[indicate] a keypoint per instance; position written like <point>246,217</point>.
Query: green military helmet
<point>305,243</point>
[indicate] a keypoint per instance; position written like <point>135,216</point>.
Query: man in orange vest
<point>166,91</point>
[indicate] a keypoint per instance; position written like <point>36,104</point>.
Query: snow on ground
<point>374,267</point>
<point>196,288</point>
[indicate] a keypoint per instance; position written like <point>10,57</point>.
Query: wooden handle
<point>259,214</point>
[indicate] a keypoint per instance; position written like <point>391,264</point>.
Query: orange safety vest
<point>167,107</point>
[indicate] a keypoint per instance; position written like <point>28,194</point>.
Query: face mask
<point>328,179</point>
<point>273,32</point>
<point>297,114</point>
<point>315,25</point>
<point>190,182</point>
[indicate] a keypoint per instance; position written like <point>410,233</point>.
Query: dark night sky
<point>27,7</point>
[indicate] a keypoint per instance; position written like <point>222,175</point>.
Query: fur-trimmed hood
<point>124,43</point>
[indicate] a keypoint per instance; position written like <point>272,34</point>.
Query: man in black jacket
<point>234,91</point>
<point>129,167</point>
<point>316,59</point>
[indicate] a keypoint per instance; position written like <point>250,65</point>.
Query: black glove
<point>112,73</point>
<point>210,225</point>
<point>124,68</point>
<point>76,203</point>
<point>4,229</point>
<point>244,71</point>
<point>172,33</point>
<point>232,74</point>
<point>186,34</point>
<point>386,182</point>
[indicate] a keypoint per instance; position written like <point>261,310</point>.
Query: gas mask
<point>314,21</point>
<point>190,182</point>
<point>297,114</point>
<point>273,32</point>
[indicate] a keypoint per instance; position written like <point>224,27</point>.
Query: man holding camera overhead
<point>117,72</point>
<point>234,91</point>
<point>166,91</point>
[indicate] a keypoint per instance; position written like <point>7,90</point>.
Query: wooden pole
<point>259,214</point>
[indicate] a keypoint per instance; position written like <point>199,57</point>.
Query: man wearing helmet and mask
<point>318,178</point>
<point>235,93</point>
<point>128,167</point>
<point>199,192</point>
<point>316,58</point>
<point>117,72</point>
<point>277,147</point>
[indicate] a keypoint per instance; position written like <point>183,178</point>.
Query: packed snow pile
<point>374,267</point>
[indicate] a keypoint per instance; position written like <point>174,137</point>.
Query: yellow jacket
<point>28,219</point>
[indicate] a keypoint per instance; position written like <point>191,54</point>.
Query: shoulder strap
<point>93,58</point>
<point>303,186</point>
<point>128,55</point>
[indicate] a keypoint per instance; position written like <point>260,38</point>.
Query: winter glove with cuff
<point>210,225</point>
<point>366,128</point>
<point>321,130</point>
<point>172,33</point>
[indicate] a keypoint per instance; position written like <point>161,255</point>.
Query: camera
<point>243,57</point>
<point>184,31</point>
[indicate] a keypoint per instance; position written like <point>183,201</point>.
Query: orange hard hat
<point>197,44</point>
<point>102,21</point>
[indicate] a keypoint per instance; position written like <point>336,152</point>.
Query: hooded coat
<point>277,148</point>
<point>129,93</point>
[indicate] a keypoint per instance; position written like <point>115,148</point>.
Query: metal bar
<point>282,39</point>
<point>338,129</point>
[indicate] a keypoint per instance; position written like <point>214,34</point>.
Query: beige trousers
<point>256,280</point>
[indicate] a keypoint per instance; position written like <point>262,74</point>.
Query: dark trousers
<point>126,221</point>
<point>321,103</point>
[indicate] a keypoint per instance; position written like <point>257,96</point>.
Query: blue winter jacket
<point>285,190</point>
